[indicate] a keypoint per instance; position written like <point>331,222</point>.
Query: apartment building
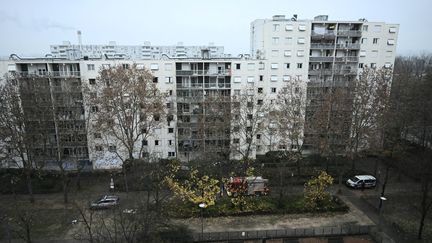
<point>203,93</point>
<point>133,52</point>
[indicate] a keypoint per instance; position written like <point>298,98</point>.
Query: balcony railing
<point>330,72</point>
<point>60,74</point>
<point>322,45</point>
<point>224,72</point>
<point>326,33</point>
<point>321,59</point>
<point>353,33</point>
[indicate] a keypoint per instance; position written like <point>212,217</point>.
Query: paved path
<point>355,197</point>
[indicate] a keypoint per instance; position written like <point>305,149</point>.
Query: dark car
<point>106,201</point>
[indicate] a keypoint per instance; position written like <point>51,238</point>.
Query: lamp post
<point>202,206</point>
<point>380,214</point>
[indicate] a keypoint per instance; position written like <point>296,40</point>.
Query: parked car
<point>106,201</point>
<point>361,181</point>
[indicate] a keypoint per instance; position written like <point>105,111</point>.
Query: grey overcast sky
<point>29,27</point>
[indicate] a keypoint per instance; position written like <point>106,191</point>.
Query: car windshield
<point>354,179</point>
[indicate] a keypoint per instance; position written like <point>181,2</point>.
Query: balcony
<point>351,33</point>
<point>223,72</point>
<point>324,35</point>
<point>320,72</point>
<point>347,59</point>
<point>322,46</point>
<point>348,46</point>
<point>321,59</point>
<point>55,74</point>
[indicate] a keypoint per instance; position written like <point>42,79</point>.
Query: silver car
<point>106,201</point>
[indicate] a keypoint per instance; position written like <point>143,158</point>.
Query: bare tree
<point>248,119</point>
<point>371,96</point>
<point>127,109</point>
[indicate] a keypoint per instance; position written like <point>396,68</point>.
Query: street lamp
<point>202,206</point>
<point>382,199</point>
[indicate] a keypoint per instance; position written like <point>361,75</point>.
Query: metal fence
<point>284,233</point>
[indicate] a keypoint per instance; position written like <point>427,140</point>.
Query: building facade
<point>134,52</point>
<point>208,95</point>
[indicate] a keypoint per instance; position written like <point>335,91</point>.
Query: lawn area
<point>45,223</point>
<point>253,206</point>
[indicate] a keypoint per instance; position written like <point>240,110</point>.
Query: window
<point>273,90</point>
<point>125,66</point>
<point>360,65</point>
<point>276,27</point>
<point>287,65</point>
<point>168,80</point>
<point>392,30</point>
<point>236,92</point>
<point>140,66</point>
<point>301,40</point>
<point>170,142</point>
<point>154,66</point>
<point>275,53</point>
<point>286,78</point>
<point>274,66</point>
<point>237,79</point>
<point>171,154</point>
<point>250,79</point>
<point>300,53</point>
<point>364,40</point>
<point>273,78</point>
<point>156,142</point>
<point>373,65</point>
<point>288,40</point>
<point>260,90</point>
<point>374,53</point>
<point>260,102</point>
<point>390,42</point>
<point>258,136</point>
<point>249,116</point>
<point>90,67</point>
<point>375,41</point>
<point>97,135</point>
<point>170,130</point>
<point>261,78</point>
<point>236,140</point>
<point>365,28</point>
<point>362,53</point>
<point>377,28</point>
<point>98,148</point>
<point>144,142</point>
<point>168,66</point>
<point>92,81</point>
<point>299,65</point>
<point>156,117</point>
<point>389,54</point>
<point>287,53</point>
<point>289,27</point>
<point>238,66</point>
<point>155,79</point>
<point>112,148</point>
<point>275,40</point>
<point>170,92</point>
<point>302,27</point>
<point>94,109</point>
<point>251,66</point>
<point>387,65</point>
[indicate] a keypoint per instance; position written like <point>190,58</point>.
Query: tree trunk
<point>29,185</point>
<point>65,189</point>
<point>125,180</point>
<point>78,183</point>
<point>420,232</point>
<point>28,233</point>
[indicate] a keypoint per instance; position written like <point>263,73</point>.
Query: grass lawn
<point>253,206</point>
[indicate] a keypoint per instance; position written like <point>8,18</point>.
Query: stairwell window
<point>299,65</point>
<point>90,67</point>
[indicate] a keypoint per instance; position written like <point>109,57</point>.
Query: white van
<point>359,181</point>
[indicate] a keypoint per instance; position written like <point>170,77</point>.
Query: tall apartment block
<point>317,55</point>
<point>134,52</point>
